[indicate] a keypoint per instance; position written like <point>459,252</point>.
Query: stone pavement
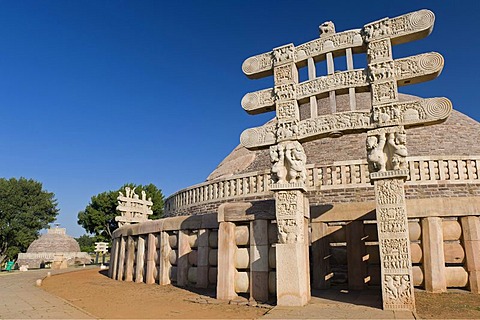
<point>340,304</point>
<point>21,299</point>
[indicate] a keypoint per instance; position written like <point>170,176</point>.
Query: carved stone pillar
<point>293,276</point>
<point>289,175</point>
<point>393,241</point>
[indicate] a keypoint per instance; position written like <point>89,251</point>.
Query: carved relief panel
<point>283,54</point>
<point>384,92</point>
<point>379,51</point>
<point>290,216</point>
<point>394,243</point>
<point>287,73</point>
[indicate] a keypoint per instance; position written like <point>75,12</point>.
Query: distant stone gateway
<point>132,208</point>
<point>352,185</point>
<point>53,247</point>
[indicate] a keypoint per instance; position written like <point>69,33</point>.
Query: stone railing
<point>339,175</point>
<point>235,251</point>
<point>49,256</point>
<point>35,260</point>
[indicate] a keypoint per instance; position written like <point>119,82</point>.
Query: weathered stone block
<point>456,277</point>
<point>242,235</point>
<point>226,265</point>
<point>451,230</point>
<point>242,258</point>
<point>433,254</point>
<point>293,287</point>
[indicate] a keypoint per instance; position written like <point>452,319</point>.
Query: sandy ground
<point>103,297</point>
<point>92,291</point>
<point>456,304</point>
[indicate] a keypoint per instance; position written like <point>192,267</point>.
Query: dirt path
<point>105,298</point>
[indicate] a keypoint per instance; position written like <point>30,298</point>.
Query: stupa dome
<point>55,244</point>
<point>55,240</point>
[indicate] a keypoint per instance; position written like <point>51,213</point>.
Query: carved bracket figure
<point>386,149</point>
<point>288,162</point>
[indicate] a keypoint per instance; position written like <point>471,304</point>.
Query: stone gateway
<point>346,187</point>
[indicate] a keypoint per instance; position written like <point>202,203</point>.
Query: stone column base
<point>293,283</point>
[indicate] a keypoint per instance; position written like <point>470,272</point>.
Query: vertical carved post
<point>151,250</point>
<point>121,259</point>
<point>327,29</point>
<point>433,255</point>
<point>386,155</point>
<point>112,270</point>
<point>313,99</point>
<point>471,242</point>
<point>351,91</point>
<point>226,262</point>
<point>289,175</point>
<point>130,259</point>
<point>183,251</point>
<point>140,259</point>
<point>331,94</point>
<point>164,260</point>
<point>394,244</point>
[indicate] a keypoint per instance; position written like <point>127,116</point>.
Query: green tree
<point>98,218</point>
<point>25,209</point>
<point>86,243</point>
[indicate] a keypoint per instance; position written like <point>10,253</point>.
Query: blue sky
<point>95,94</point>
